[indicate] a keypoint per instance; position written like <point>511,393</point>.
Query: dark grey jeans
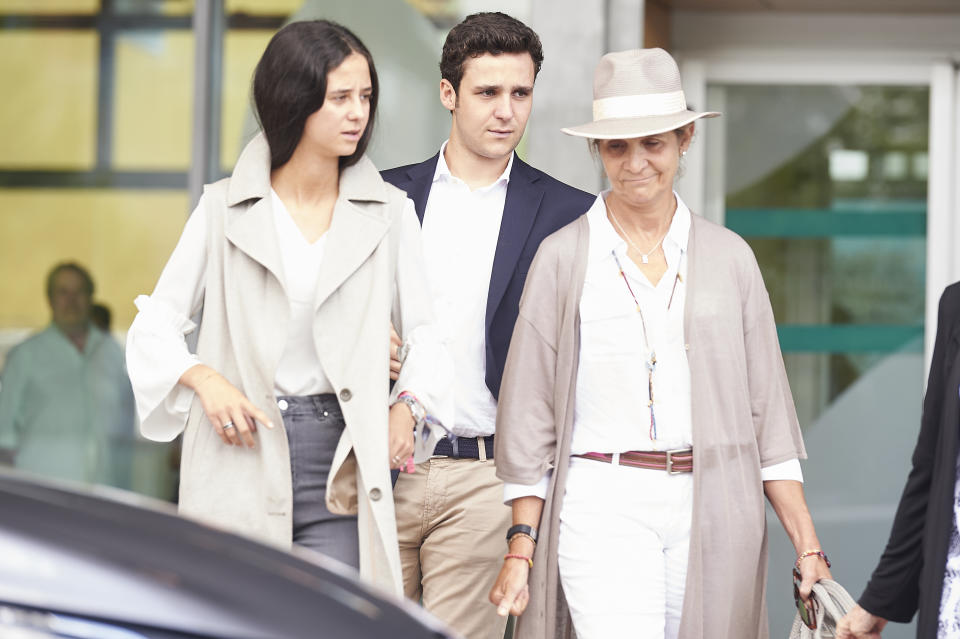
<point>314,424</point>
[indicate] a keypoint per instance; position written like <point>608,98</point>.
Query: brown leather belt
<point>672,461</point>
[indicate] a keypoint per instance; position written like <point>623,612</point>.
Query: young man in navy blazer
<point>484,212</point>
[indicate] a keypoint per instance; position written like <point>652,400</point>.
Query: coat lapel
<point>253,232</point>
<point>421,179</point>
<point>355,230</point>
<point>353,236</point>
<point>519,211</point>
<point>251,229</point>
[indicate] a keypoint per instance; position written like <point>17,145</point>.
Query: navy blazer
<point>536,206</point>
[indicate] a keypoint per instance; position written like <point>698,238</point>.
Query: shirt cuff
<point>515,491</point>
<point>789,470</point>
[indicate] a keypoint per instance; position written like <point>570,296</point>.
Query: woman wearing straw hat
<point>645,410</point>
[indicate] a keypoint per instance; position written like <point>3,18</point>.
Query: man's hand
<point>401,434</point>
<point>860,624</point>
<point>395,362</point>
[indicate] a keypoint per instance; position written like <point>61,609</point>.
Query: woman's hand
<point>225,405</point>
<point>511,592</point>
<point>401,434</point>
<point>860,624</point>
<point>812,569</point>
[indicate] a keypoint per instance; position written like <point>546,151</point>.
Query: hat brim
<point>624,128</point>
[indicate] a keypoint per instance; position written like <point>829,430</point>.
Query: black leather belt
<point>464,447</point>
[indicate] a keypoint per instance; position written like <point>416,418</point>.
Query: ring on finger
<point>228,425</point>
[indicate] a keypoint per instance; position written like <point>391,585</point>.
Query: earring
<point>683,153</point>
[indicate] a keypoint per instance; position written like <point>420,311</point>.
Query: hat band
<point>632,106</point>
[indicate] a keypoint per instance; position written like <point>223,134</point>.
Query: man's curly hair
<point>487,32</point>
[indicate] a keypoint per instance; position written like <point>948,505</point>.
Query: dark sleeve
<point>892,592</point>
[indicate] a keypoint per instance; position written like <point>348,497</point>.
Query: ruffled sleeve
<point>157,353</point>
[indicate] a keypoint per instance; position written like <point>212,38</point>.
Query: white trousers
<point>624,541</point>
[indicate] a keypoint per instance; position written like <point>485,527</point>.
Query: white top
<point>300,371</point>
<point>609,418</point>
<point>948,626</point>
<point>157,352</point>
<point>460,231</point>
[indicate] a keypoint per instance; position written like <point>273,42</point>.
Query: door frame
<point>825,67</point>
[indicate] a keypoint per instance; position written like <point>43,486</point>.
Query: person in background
<point>65,399</point>
<point>645,410</point>
<point>484,212</point>
<point>299,261</point>
<point>919,571</point>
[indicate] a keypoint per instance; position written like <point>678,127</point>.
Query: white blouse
<point>612,349</point>
<point>157,351</point>
<point>299,372</point>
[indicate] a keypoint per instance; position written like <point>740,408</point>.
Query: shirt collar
<point>604,237</point>
<point>442,171</point>
<point>94,337</point>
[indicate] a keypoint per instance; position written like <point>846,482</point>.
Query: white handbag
<point>832,603</point>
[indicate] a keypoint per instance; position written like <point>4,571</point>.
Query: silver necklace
<point>644,256</point>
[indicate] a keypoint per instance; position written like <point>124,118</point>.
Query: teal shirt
<point>68,414</point>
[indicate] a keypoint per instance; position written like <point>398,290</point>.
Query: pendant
<point>645,258</point>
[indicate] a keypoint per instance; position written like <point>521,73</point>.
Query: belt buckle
<point>670,454</point>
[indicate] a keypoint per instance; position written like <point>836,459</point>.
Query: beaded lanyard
<point>651,362</point>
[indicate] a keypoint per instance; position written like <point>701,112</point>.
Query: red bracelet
<point>523,557</point>
<point>811,553</point>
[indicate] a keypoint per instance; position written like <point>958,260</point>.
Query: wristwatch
<point>522,529</point>
<point>416,408</point>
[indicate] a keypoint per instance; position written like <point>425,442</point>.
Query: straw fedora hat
<point>637,93</point>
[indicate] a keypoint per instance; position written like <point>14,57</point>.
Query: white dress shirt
<point>157,352</point>
<point>611,412</point>
<point>460,231</point>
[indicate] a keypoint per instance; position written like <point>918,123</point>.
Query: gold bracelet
<point>815,552</point>
<point>529,560</point>
<point>196,387</point>
<point>521,534</point>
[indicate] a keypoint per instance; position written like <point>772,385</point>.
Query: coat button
<point>345,395</point>
<point>375,494</point>
<point>283,405</point>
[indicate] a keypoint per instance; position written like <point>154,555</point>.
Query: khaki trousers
<point>452,525</point>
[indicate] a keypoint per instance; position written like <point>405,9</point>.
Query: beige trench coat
<point>743,420</point>
<point>242,334</point>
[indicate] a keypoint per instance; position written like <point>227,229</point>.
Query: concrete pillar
<point>625,20</point>
<point>573,33</point>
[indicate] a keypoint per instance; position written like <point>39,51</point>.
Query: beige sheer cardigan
<point>743,420</point>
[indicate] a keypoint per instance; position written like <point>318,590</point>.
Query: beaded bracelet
<point>521,534</point>
<point>516,556</point>
<point>811,553</point>
<point>408,394</point>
